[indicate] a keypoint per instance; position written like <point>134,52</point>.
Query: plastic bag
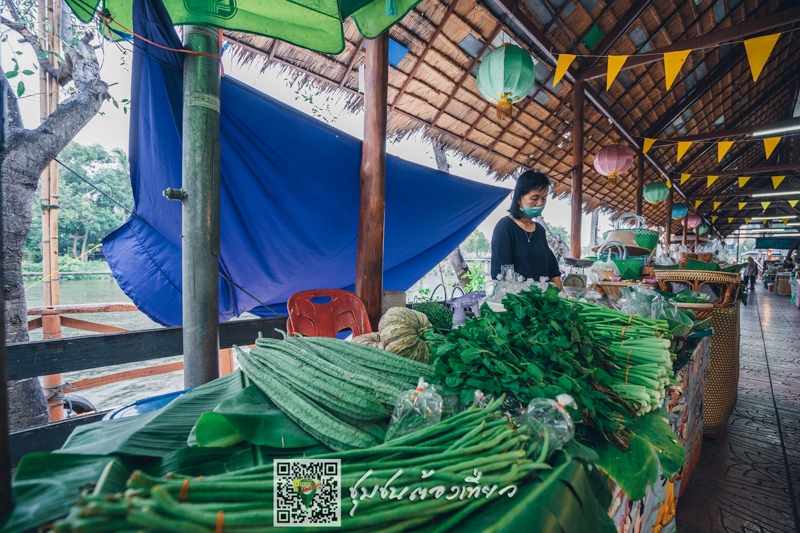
<point>451,403</point>
<point>482,400</point>
<point>551,416</point>
<point>415,409</point>
<point>664,259</point>
<point>511,405</point>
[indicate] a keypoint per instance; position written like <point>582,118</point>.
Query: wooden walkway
<point>750,482</point>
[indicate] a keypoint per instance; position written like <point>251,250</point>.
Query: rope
<point>65,266</point>
<point>184,493</point>
<point>220,521</point>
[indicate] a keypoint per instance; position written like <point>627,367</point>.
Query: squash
<point>401,331</point>
<point>369,339</point>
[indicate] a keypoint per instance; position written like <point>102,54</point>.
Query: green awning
<point>312,24</point>
<point>777,243</point>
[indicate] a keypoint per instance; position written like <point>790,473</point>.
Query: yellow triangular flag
<point>758,51</point>
<point>564,61</point>
<point>741,205</point>
<point>682,147</point>
<point>730,220</point>
<point>648,143</point>
<point>714,219</point>
<point>673,61</point>
<point>685,177</point>
<point>716,205</point>
<point>722,149</point>
<point>747,221</point>
<point>765,205</point>
<point>743,180</point>
<point>769,145</point>
<point>669,184</point>
<point>776,180</point>
<point>697,203</point>
<point>785,221</point>
<point>615,64</point>
<point>792,203</point>
<point>710,180</point>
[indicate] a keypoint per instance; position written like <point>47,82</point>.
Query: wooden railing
<point>57,356</point>
<point>52,319</point>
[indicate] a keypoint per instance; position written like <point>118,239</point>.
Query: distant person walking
<point>750,273</point>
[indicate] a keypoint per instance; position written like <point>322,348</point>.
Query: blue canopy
<point>289,196</point>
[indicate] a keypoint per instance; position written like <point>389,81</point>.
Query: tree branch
<point>15,124</point>
<point>62,75</point>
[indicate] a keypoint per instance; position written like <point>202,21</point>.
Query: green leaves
<point>20,88</point>
<point>637,467</point>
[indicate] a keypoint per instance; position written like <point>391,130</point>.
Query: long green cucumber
<point>325,428</point>
<point>378,359</point>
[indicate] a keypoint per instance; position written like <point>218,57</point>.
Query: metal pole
<point>372,210</point>
<point>577,169</point>
<point>5,447</point>
<point>639,182</point>
<point>201,185</point>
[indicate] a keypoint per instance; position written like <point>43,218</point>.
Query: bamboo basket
<point>701,311</point>
<point>722,385</point>
<point>696,278</point>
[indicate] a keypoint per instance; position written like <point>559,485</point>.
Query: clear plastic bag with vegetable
<point>415,409</point>
<point>547,417</point>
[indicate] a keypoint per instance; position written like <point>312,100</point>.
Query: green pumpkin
<point>401,332</point>
<point>369,339</point>
<point>506,76</point>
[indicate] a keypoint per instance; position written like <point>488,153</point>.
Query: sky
<point>111,128</point>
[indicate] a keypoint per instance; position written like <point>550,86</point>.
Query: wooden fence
<point>57,356</point>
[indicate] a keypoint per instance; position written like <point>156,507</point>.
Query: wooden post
<point>372,213</point>
<point>639,182</point>
<point>50,11</point>
<point>684,229</point>
<point>696,239</point>
<point>201,187</point>
<point>668,223</point>
<point>577,169</point>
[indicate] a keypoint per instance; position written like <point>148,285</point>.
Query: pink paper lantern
<point>613,160</point>
<point>692,221</point>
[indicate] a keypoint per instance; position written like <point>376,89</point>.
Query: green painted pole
<point>201,177</point>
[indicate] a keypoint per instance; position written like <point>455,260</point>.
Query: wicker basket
<point>701,311</point>
<point>722,385</point>
<point>685,256</point>
<point>696,278</point>
<point>706,257</point>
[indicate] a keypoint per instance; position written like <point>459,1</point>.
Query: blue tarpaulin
<point>289,198</point>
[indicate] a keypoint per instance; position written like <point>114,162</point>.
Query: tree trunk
<point>83,246</point>
<point>27,154</point>
<point>593,228</point>
<point>75,245</point>
<point>456,258</point>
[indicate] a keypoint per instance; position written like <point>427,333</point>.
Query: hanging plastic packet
<point>545,414</point>
<point>415,409</point>
<point>512,406</point>
<point>451,404</point>
<point>481,400</point>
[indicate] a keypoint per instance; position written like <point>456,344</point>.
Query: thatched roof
<point>433,92</point>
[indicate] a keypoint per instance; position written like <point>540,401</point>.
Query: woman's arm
<point>558,282</point>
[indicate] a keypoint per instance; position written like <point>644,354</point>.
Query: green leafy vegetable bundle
<point>539,348</point>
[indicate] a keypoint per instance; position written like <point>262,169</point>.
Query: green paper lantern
<point>655,193</point>
<point>701,229</point>
<point>506,76</point>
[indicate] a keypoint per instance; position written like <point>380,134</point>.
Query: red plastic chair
<point>342,310</point>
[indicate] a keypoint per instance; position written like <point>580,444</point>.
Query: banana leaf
<point>566,500</point>
<point>158,433</point>
<point>46,486</point>
<point>249,416</point>
<point>204,461</point>
<point>637,467</point>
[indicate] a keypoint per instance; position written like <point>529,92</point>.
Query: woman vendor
<point>518,240</point>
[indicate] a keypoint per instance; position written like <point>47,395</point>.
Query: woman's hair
<point>527,181</point>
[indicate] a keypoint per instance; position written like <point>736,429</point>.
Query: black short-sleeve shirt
<point>532,259</point>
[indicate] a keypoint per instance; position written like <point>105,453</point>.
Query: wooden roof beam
<point>621,28</point>
<point>467,73</point>
<point>774,169</point>
<point>732,132</point>
<point>350,63</point>
<point>736,32</point>
<point>421,58</point>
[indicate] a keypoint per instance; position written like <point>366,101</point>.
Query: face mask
<point>532,212</point>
